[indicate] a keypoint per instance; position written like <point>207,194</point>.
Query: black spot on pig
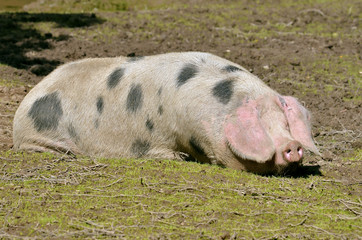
<point>115,77</point>
<point>231,68</point>
<point>72,133</point>
<point>46,112</point>
<point>134,98</point>
<point>196,146</point>
<point>100,105</point>
<point>149,125</point>
<point>140,147</point>
<point>187,72</point>
<point>223,90</point>
<point>160,110</point>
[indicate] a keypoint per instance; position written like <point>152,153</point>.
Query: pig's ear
<point>246,136</point>
<point>299,121</point>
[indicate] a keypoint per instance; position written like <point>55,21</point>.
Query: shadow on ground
<point>17,37</point>
<point>300,172</point>
<point>306,171</point>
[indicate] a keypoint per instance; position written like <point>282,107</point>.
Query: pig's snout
<point>293,152</point>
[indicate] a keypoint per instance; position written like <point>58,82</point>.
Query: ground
<point>308,49</point>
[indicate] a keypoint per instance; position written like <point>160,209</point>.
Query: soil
<point>29,54</point>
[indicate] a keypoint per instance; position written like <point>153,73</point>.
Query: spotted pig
<point>164,106</point>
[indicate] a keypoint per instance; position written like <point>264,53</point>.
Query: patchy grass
<point>70,6</point>
<point>342,74</point>
<point>356,158</point>
<point>10,82</point>
<point>65,197</point>
<point>236,17</point>
<point>237,20</point>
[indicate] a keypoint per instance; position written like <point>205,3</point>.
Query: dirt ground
<point>305,65</point>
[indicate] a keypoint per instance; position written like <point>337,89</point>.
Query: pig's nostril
<point>300,151</point>
<point>288,151</point>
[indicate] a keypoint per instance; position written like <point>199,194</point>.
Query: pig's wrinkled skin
<point>161,106</point>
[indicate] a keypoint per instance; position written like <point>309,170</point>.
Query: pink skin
<point>298,118</point>
<point>246,135</point>
<point>291,151</point>
<point>268,134</point>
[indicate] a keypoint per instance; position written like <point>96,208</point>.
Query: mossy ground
<point>308,49</point>
<point>44,195</point>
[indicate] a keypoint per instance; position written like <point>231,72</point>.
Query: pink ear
<point>299,122</point>
<point>246,136</point>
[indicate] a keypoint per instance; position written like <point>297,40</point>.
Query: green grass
<point>356,157</point>
<point>8,83</point>
<point>118,197</point>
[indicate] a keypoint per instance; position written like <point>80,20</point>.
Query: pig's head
<point>269,134</point>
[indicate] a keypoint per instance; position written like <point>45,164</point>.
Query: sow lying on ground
<point>161,106</point>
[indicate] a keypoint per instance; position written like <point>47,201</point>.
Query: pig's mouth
<point>289,170</point>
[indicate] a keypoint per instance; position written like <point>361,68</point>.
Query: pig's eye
<point>287,126</point>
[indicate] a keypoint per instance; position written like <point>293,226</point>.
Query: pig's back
<point>132,107</point>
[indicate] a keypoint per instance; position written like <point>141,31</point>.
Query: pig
<point>163,107</point>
